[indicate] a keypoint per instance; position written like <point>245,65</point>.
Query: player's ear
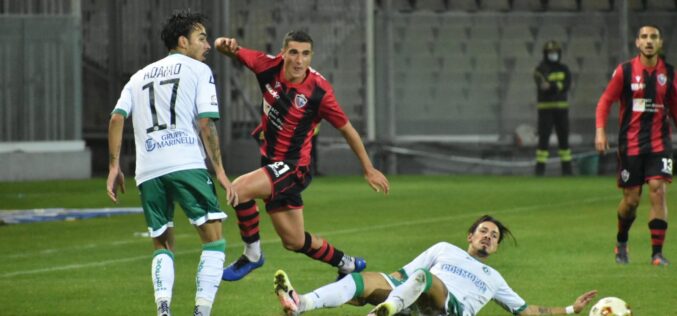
<point>469,237</point>
<point>183,41</point>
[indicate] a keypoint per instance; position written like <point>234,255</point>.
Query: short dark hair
<point>502,229</point>
<point>181,23</point>
<point>297,36</point>
<point>660,32</point>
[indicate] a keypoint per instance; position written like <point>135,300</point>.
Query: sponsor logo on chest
<point>646,105</point>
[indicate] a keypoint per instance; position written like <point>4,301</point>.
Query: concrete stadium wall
<point>242,156</point>
<point>26,161</point>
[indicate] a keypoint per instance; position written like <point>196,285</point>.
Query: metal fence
<point>438,75</point>
<point>40,77</point>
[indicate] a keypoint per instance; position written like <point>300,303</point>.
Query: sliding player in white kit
<point>173,104</point>
<point>443,280</point>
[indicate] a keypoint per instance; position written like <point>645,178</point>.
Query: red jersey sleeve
<point>672,100</point>
<point>255,60</point>
<point>331,111</point>
<point>611,94</point>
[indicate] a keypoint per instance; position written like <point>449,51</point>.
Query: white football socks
<point>162,272</point>
<point>208,276</point>
<point>331,295</point>
<point>408,292</point>
<point>253,251</point>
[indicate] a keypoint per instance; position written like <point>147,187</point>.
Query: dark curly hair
<point>503,230</point>
<point>181,23</point>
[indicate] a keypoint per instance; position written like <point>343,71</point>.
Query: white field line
<point>88,246</point>
<point>277,240</point>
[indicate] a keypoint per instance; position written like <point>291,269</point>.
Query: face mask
<point>553,57</point>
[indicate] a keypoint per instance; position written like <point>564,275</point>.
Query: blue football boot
<point>241,267</point>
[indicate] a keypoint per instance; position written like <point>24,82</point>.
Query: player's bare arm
<point>227,46</point>
<point>210,138</point>
<point>115,176</point>
<point>577,307</point>
<point>375,178</point>
<point>601,142</point>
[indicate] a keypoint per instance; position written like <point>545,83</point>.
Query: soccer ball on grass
<point>611,306</point>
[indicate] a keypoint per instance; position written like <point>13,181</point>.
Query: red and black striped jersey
<point>290,111</point>
<point>647,102</point>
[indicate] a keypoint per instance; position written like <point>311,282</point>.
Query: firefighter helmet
<point>551,46</point>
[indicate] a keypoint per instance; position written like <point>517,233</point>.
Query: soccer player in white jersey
<point>443,280</point>
<point>173,105</point>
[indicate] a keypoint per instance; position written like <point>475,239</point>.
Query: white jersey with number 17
<point>165,100</point>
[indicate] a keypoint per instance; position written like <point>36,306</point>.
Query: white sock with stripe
<point>162,272</point>
<point>408,292</point>
<point>331,295</point>
<point>209,272</point>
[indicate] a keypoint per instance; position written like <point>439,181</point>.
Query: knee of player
<point>657,189</point>
<point>631,198</point>
<point>243,192</point>
<point>632,203</point>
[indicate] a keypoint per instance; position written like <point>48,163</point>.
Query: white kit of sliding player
<point>470,281</point>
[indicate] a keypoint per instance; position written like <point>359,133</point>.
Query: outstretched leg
<point>289,225</point>
<point>355,289</point>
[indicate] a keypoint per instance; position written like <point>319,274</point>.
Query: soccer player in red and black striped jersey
<point>295,99</point>
<point>646,88</point>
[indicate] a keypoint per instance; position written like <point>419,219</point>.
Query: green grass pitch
<point>565,230</point>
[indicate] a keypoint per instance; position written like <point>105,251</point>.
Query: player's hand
<point>231,195</point>
<point>115,179</point>
<point>583,300</point>
<point>226,45</point>
<point>377,181</point>
<point>601,142</point>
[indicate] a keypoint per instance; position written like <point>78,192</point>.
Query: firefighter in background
<point>553,80</point>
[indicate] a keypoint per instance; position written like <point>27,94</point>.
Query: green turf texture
<point>565,230</point>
